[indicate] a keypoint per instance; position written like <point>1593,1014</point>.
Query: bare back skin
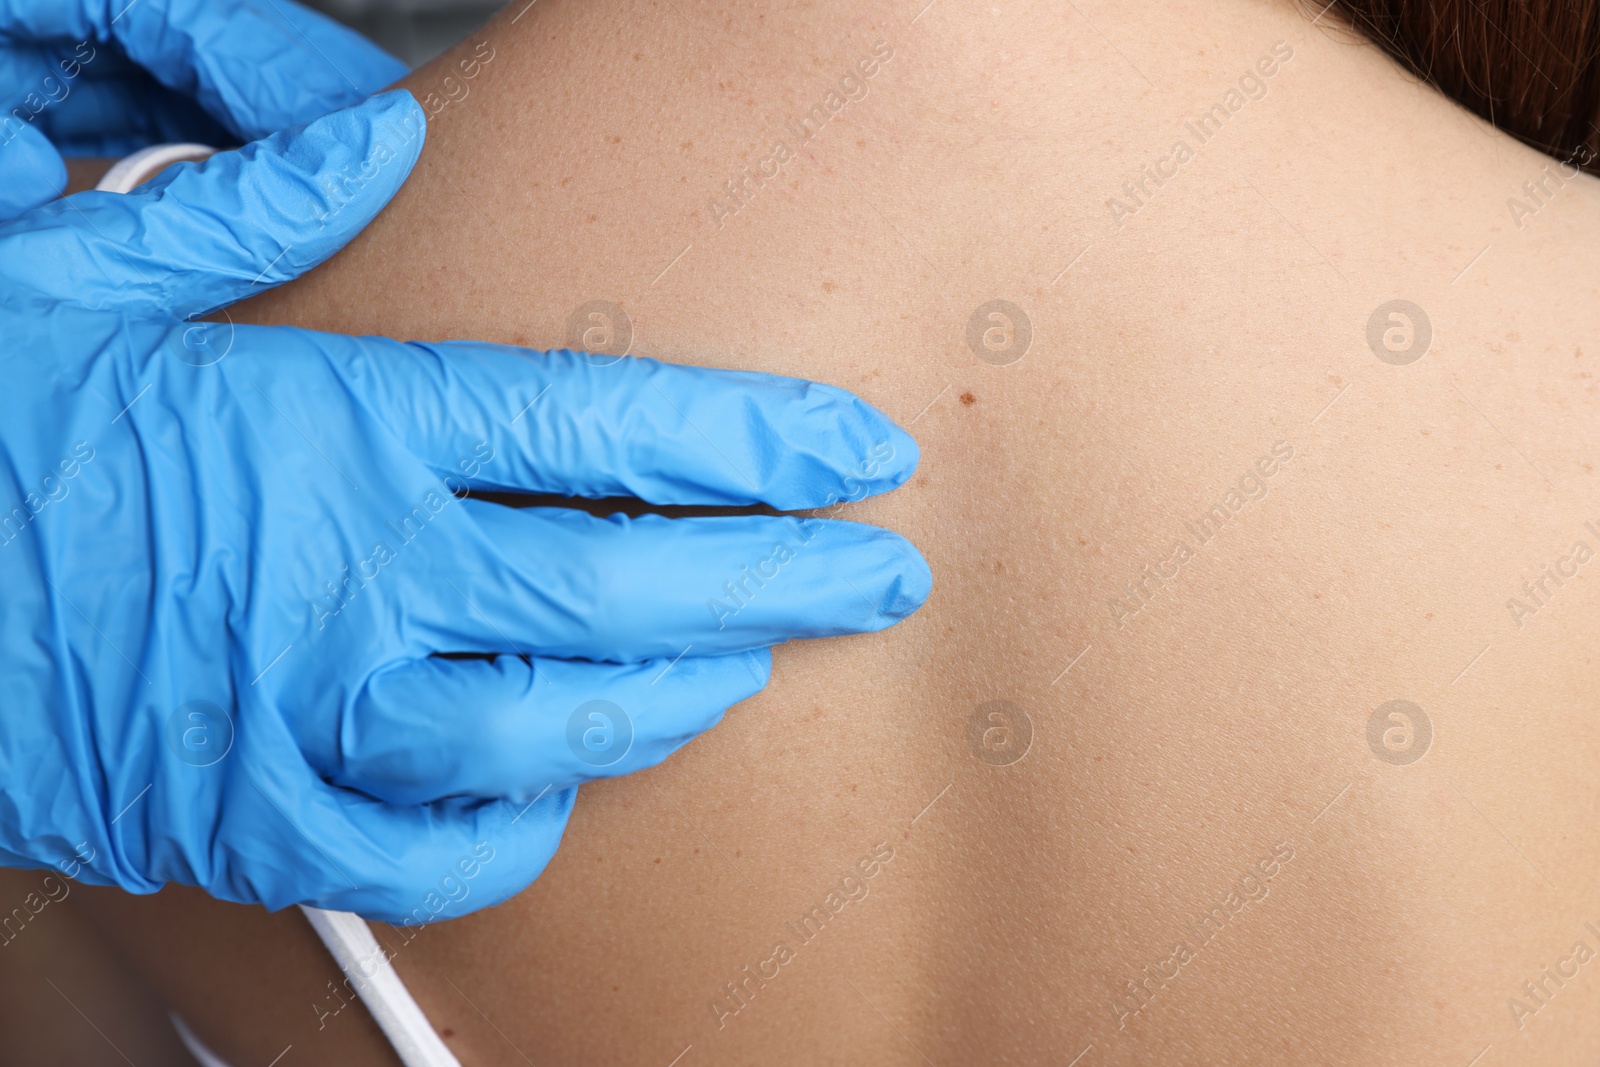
<point>1252,716</point>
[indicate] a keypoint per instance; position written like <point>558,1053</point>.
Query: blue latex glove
<point>106,77</point>
<point>229,554</point>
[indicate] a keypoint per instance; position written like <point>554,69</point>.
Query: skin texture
<point>1217,739</point>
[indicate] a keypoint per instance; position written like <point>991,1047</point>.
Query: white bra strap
<point>130,172</point>
<point>197,1048</point>
<point>361,957</point>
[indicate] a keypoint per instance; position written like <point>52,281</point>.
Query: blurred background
<point>413,30</point>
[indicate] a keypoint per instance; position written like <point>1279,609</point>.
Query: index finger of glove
<point>558,422</point>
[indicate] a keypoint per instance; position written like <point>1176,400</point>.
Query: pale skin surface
<point>1225,719</point>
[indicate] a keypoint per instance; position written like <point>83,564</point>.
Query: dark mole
<point>968,399</point>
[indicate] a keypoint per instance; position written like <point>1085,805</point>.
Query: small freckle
<point>686,145</point>
<point>594,218</point>
<point>638,56</point>
<point>968,399</point>
<point>616,140</point>
<point>565,182</point>
<point>447,1032</point>
<point>861,142</point>
<point>616,989</point>
<point>828,287</point>
<point>519,339</point>
<point>658,859</point>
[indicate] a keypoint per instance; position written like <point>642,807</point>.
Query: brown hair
<point>1531,67</point>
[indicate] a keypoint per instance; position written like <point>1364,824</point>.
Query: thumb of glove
<point>31,170</point>
<point>204,235</point>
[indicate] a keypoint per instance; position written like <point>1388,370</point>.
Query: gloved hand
<point>229,556</point>
<point>106,78</point>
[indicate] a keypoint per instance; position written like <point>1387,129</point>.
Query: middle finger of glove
<point>560,582</point>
